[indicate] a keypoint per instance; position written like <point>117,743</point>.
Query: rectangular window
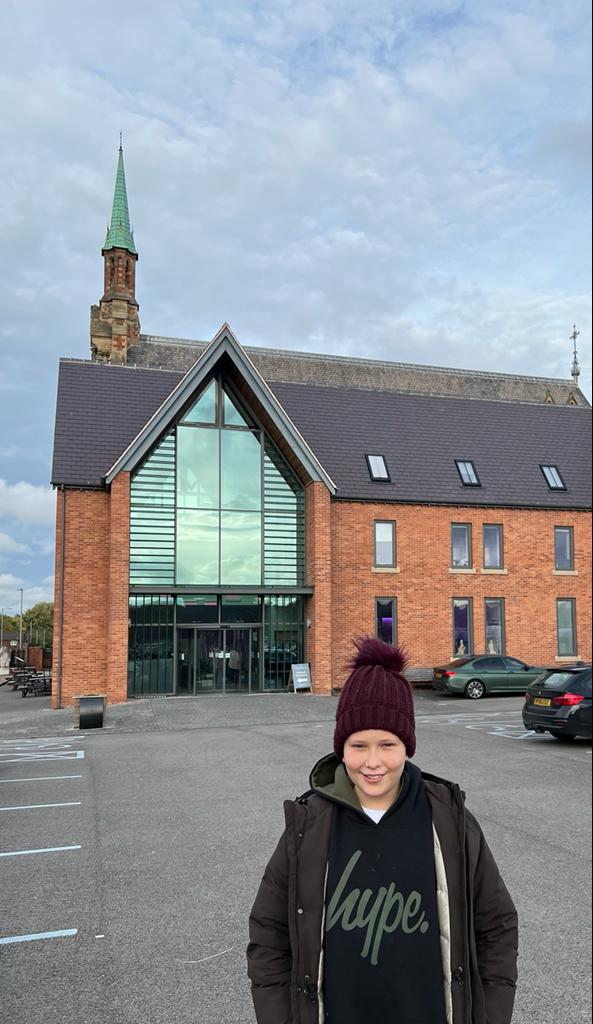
<point>566,615</point>
<point>198,475</point>
<point>467,472</point>
<point>378,468</point>
<point>385,548</point>
<point>493,547</point>
<point>494,625</point>
<point>198,548</point>
<point>463,626</point>
<point>386,619</point>
<point>553,478</point>
<point>564,548</point>
<point>461,545</point>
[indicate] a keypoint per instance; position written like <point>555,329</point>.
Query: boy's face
<point>375,762</point>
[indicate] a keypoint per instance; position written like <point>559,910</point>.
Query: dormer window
<point>467,472</point>
<point>553,478</point>
<point>378,468</point>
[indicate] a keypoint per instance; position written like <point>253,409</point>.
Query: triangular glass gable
<point>204,410</point>
<point>231,414</point>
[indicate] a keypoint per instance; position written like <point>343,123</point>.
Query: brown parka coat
<point>479,930</point>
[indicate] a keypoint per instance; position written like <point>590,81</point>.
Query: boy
<point>382,903</point>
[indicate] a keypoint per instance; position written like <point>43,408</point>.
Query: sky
<point>401,180</point>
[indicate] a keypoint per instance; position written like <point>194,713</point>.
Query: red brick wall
<point>340,551</point>
<point>318,511</point>
<point>119,575</point>
<point>425,587</point>
<point>86,594</point>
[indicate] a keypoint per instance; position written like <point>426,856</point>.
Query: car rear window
<point>564,680</point>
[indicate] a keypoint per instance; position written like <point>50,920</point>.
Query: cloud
<point>12,547</point>
<point>33,592</point>
<point>27,503</point>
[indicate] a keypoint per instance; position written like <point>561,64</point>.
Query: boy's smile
<point>375,761</point>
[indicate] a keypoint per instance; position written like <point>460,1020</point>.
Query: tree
<point>11,623</point>
<point>38,623</point>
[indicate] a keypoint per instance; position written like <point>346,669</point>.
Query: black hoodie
<point>383,957</point>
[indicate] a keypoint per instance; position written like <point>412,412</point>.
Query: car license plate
<point>543,702</point>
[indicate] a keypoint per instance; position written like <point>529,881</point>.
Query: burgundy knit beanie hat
<point>376,695</point>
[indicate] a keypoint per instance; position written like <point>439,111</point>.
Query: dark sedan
<point>560,703</point>
<point>483,674</point>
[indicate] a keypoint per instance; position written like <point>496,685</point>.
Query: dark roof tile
<point>101,409</point>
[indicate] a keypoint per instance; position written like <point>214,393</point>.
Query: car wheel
<point>562,736</point>
<point>475,689</point>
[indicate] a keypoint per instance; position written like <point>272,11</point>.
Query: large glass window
<point>494,625</point>
<point>240,548</point>
<point>152,517</point>
<point>386,619</point>
<point>461,545</point>
<point>284,522</point>
<point>564,548</point>
<point>241,476</point>
<point>241,608</point>
<point>219,469</point>
<point>198,548</point>
<point>197,468</point>
<point>567,626</point>
<point>283,639</point>
<point>204,410</point>
<point>493,547</point>
<point>462,626</point>
<point>199,608</point>
<point>216,503</point>
<point>151,646</point>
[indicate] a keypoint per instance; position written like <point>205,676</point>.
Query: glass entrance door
<point>209,661</point>
<point>218,660</point>
<point>185,660</point>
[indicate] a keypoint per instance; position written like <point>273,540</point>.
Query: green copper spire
<point>119,235</point>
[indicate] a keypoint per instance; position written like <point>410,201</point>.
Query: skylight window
<point>468,474</point>
<point>553,478</point>
<point>378,468</point>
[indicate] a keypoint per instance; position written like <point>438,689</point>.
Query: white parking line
<point>36,807</point>
<point>7,940</point>
<point>44,739</point>
<point>41,755</point>
<point>42,778</point>
<point>48,849</point>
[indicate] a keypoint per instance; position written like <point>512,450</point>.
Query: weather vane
<point>576,369</point>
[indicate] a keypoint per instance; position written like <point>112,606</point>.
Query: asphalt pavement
<point>135,851</point>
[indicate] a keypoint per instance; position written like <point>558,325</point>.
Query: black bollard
<point>91,712</point>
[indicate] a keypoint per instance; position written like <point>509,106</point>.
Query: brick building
<point>224,512</point>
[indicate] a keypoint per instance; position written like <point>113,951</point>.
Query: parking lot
<point>129,857</point>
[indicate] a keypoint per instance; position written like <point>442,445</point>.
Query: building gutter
<point>61,615</point>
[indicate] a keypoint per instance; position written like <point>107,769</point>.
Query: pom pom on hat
<point>376,695</point>
<point>371,651</point>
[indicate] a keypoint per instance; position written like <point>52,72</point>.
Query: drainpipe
<point>61,615</point>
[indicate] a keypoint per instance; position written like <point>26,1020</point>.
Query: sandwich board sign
<point>300,677</point>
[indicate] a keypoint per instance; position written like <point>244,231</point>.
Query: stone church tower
<point>115,323</point>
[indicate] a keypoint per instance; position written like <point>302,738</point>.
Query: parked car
<point>560,702</point>
<point>479,675</point>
